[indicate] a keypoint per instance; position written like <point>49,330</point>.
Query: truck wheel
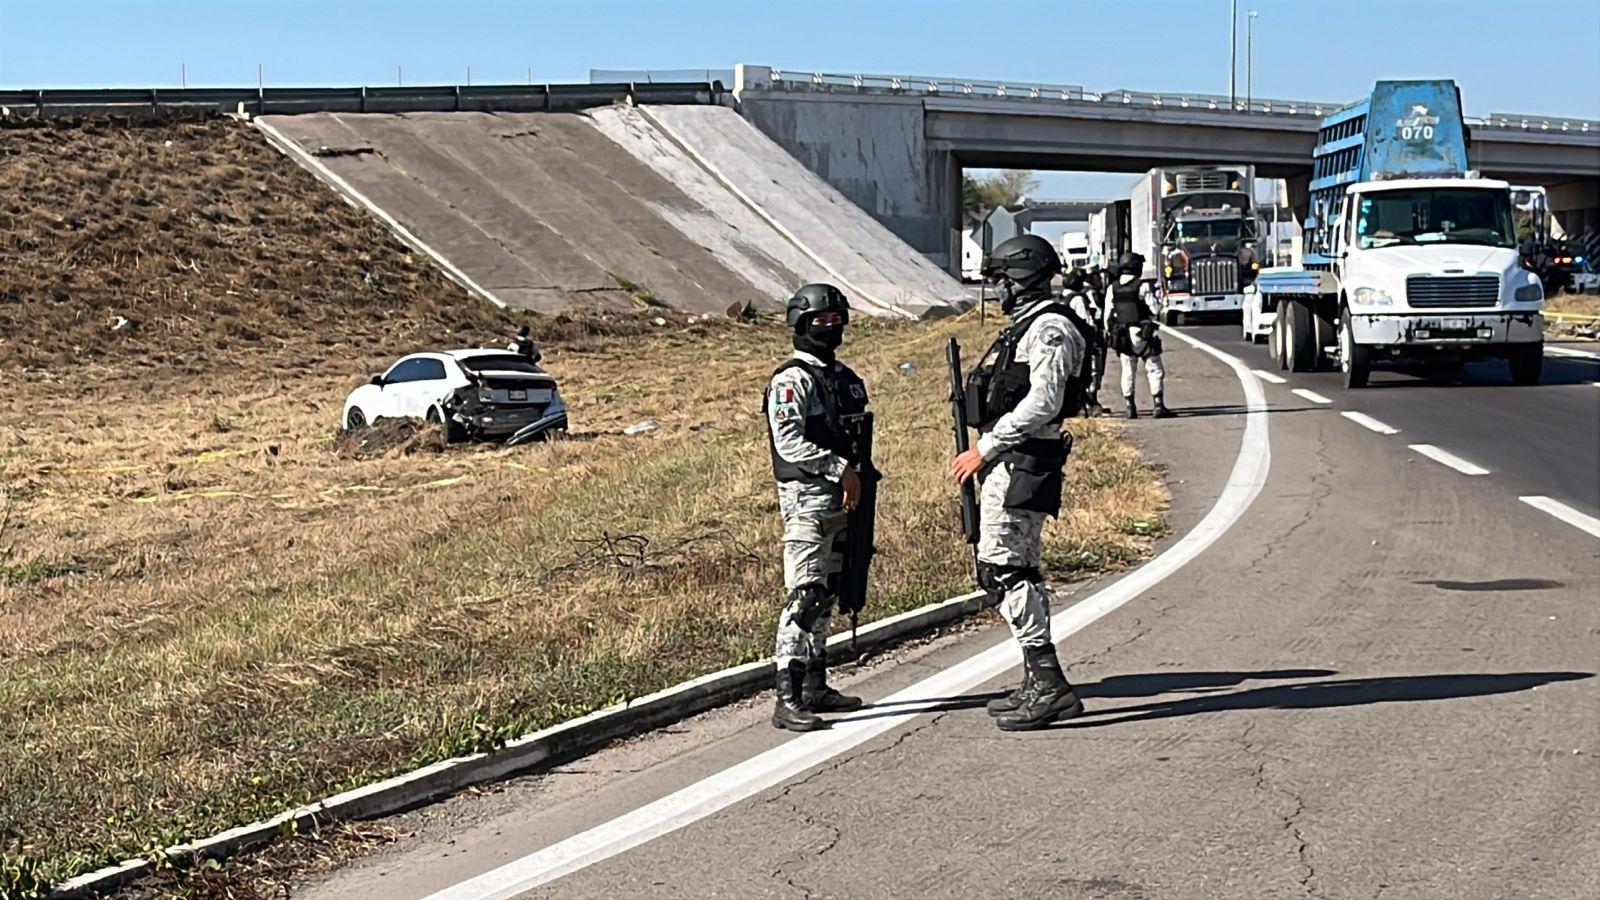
<point>1355,360</point>
<point>1300,338</point>
<point>1174,317</point>
<point>1527,362</point>
<point>1276,337</point>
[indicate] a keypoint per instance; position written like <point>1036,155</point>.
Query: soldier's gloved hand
<point>851,482</point>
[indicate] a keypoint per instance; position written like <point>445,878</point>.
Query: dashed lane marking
<point>1313,396</point>
<point>1565,513</point>
<point>1449,459</point>
<point>1268,377</point>
<point>1369,423</point>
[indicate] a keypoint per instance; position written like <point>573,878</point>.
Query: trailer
<point>1108,234</point>
<point>1196,228</point>
<point>1409,256</point>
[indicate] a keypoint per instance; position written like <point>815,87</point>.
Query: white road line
<point>1449,459</point>
<point>1266,376</point>
<point>1313,396</point>
<point>1369,423</point>
<point>1570,353</point>
<point>803,752</point>
<point>1565,513</point>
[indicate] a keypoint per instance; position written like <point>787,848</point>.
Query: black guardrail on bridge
<point>289,100</point>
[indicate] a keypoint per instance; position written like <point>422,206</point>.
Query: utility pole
<point>1249,56</point>
<point>261,76</point>
<point>183,74</point>
<point>399,76</point>
<point>469,76</point>
<point>1233,54</point>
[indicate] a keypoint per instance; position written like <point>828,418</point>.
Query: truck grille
<point>1216,276</point>
<point>1469,290</point>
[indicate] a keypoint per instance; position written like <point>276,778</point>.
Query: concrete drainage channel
<point>526,755</point>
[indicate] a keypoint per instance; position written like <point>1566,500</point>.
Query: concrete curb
<point>522,755</point>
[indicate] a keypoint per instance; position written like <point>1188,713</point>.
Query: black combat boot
<point>1133,408</point>
<point>818,697</point>
<point>790,712</point>
<point>1161,408</point>
<point>1014,700</point>
<point>1053,698</point>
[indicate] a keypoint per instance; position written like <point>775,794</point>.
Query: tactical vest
<point>844,425</point>
<point>1127,307</point>
<point>1001,380</point>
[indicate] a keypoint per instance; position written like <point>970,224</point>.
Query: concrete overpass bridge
<point>896,145</point>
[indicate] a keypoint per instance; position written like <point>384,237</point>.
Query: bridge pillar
<point>871,149</point>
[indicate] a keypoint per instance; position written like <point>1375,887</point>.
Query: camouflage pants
<point>1154,371</point>
<point>813,552</point>
<point>1014,537</point>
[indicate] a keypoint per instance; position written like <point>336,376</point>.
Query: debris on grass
<point>390,438</point>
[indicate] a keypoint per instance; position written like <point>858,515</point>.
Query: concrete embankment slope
<point>553,210</point>
<point>855,247</point>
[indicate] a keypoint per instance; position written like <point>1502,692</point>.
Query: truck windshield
<point>1435,216</point>
<point>1224,234</point>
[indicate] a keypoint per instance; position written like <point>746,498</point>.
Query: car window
<point>415,369</point>
<point>404,370</point>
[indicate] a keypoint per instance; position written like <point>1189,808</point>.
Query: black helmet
<point>1027,261</point>
<point>1131,263</point>
<point>1075,280</point>
<point>813,299</point>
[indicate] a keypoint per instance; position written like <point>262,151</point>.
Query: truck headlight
<point>1530,292</point>
<point>1373,297</point>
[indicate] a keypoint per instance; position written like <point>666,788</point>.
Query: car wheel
<point>355,419</point>
<point>454,432</point>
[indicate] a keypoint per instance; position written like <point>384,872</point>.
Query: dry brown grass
<point>208,612</point>
<point>212,610</point>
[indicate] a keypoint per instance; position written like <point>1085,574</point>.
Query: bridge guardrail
<point>421,98</point>
<point>1071,93</point>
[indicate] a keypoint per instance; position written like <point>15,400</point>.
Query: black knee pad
<point>810,603</point>
<point>995,580</point>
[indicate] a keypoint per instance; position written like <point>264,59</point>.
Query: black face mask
<point>820,340</point>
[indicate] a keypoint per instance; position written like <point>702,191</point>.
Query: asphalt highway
<point>1541,441</point>
<point>1352,671</point>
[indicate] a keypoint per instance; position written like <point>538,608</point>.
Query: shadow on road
<point>1190,682</point>
<point>1499,584</point>
<point>1233,409</point>
<point>1320,695</point>
<point>1557,371</point>
<point>1113,686</point>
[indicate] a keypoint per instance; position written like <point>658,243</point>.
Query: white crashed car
<point>482,394</point>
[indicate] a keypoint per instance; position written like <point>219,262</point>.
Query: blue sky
<point>1539,57</point>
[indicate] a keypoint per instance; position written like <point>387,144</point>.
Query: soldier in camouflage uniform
<point>808,399</point>
<point>1025,386</point>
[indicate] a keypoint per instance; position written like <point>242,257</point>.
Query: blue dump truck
<point>1409,257</point>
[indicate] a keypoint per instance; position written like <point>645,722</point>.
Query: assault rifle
<point>859,524</point>
<point>958,408</point>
